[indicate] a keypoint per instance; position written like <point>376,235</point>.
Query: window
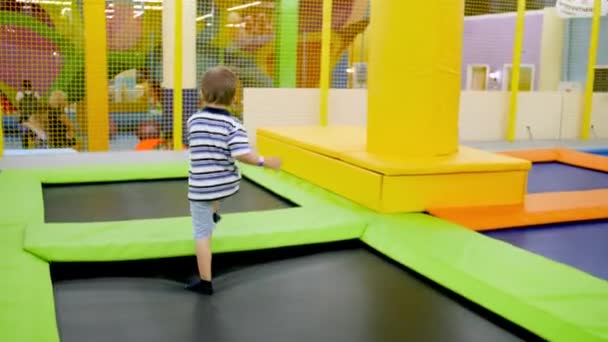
<point>600,83</point>
<point>526,77</point>
<point>477,76</point>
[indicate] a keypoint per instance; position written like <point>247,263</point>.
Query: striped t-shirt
<point>215,139</point>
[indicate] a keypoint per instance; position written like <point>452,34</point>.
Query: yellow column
<point>96,71</point>
<point>325,62</point>
<point>518,43</point>
<point>178,77</point>
<point>593,43</point>
<point>414,77</point>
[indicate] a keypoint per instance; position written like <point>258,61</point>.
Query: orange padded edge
<point>582,159</point>
<point>536,155</point>
<point>562,155</point>
<point>543,208</point>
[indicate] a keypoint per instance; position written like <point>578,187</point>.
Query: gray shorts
<point>202,219</point>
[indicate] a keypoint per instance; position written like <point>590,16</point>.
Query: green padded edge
<point>158,238</point>
<point>27,309</point>
<point>146,239</point>
<point>20,199</point>
<point>555,301</point>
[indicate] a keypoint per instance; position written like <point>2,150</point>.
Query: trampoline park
<point>107,263</point>
<point>392,231</point>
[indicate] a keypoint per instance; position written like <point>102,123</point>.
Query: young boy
<point>216,139</point>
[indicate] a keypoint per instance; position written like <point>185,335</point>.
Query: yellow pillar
<point>325,63</point>
<point>518,44</point>
<point>593,44</point>
<point>178,77</point>
<point>414,77</point>
<point>96,71</point>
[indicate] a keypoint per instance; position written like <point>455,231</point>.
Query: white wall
<point>483,115</point>
<point>267,107</point>
<point>539,116</point>
<point>551,51</point>
<point>572,114</point>
<point>599,115</point>
<point>347,107</point>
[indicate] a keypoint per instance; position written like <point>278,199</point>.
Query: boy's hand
<point>272,163</point>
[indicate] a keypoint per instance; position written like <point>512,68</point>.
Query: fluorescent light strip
<point>206,16</point>
<point>235,8</point>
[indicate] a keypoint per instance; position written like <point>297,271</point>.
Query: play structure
<point>45,36</point>
<point>389,231</point>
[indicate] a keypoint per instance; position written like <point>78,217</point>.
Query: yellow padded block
<point>330,140</point>
<point>420,192</point>
<point>357,184</point>
<point>465,160</point>
<point>335,159</point>
<point>348,143</point>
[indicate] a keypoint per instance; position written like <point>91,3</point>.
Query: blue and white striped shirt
<point>215,139</point>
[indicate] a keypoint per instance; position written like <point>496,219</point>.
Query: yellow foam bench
<point>335,158</point>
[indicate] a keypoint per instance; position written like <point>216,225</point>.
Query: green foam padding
<point>334,220</point>
<point>555,301</point>
<point>27,311</point>
<point>107,173</point>
<point>146,239</point>
<point>21,198</point>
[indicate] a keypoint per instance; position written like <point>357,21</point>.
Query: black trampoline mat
<point>143,200</point>
<point>337,295</point>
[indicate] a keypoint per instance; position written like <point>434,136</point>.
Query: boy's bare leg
<point>203,258</point>
<point>216,209</point>
<point>203,252</point>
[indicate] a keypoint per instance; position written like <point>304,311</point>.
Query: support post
<point>518,43</point>
<point>325,62</point>
<point>178,76</point>
<point>180,94</point>
<point>287,48</point>
<point>593,44</point>
<point>96,76</point>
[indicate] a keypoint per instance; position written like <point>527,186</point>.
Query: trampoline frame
<point>563,155</point>
<point>542,207</point>
<point>546,298</point>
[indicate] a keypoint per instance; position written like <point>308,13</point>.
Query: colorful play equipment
<point>49,37</point>
<point>55,35</point>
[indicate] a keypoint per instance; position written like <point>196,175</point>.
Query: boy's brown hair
<point>218,86</point>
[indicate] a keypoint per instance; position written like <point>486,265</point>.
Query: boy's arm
<point>241,150</point>
<point>252,158</point>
